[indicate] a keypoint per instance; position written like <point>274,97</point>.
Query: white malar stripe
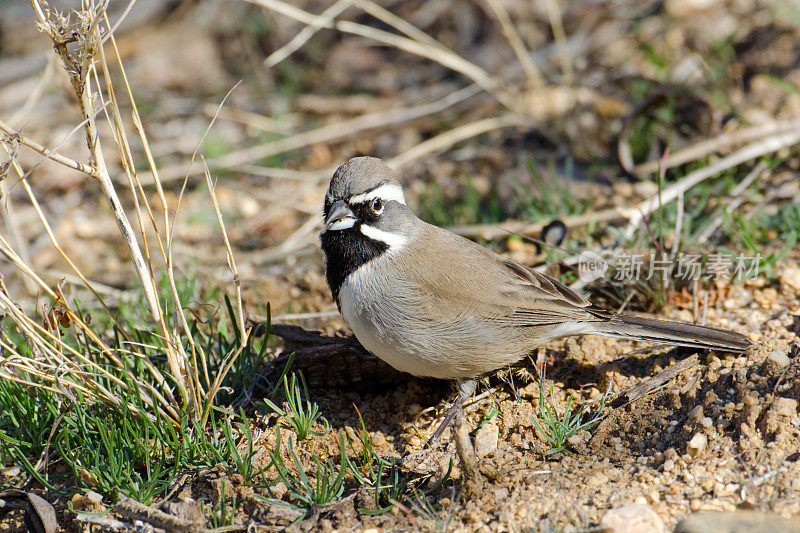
<point>395,241</point>
<point>386,192</point>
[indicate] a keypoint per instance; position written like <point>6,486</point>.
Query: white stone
<point>632,518</point>
<point>697,444</point>
<point>486,439</point>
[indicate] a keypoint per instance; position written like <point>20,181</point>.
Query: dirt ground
<point>683,431</point>
<point>722,433</point>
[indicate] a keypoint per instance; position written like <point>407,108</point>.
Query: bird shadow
<point>340,371</point>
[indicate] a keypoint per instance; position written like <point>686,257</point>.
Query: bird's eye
<point>377,206</point>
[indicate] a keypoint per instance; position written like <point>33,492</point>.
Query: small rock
<point>597,479</point>
<point>785,407</point>
<point>88,502</point>
<point>578,441</point>
<point>790,278</point>
<point>774,420</point>
<point>751,409</point>
<point>623,189</point>
<point>776,361</point>
<point>696,414</point>
<point>486,439</point>
<point>11,472</point>
<point>766,297</point>
<point>186,509</point>
<point>632,518</point>
<point>737,522</point>
<point>378,440</point>
<point>77,501</point>
<point>88,478</point>
<point>279,490</point>
<point>669,464</point>
<point>697,444</point>
<point>94,497</point>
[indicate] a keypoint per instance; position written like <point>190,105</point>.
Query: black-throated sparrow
<point>435,304</point>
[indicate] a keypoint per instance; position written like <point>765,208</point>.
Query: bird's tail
<point>649,329</point>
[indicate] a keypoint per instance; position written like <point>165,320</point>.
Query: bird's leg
<point>470,476</point>
<point>466,388</point>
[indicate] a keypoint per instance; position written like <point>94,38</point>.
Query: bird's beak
<point>340,217</point>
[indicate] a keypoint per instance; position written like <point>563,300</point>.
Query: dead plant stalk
<point>78,66</point>
<point>53,363</point>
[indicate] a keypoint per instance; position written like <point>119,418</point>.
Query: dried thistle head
<point>76,36</point>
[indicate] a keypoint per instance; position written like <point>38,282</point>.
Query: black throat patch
<point>345,251</point>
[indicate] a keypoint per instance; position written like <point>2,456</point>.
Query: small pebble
<point>632,518</point>
<point>11,472</point>
<point>486,439</point>
<point>785,407</point>
<point>94,497</point>
<point>790,279</point>
<point>778,359</point>
<point>697,444</point>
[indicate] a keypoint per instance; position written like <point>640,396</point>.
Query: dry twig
<point>753,150</point>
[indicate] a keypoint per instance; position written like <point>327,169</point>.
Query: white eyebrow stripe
<point>386,192</point>
<point>394,241</point>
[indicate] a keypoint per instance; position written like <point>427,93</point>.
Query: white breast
<point>371,312</point>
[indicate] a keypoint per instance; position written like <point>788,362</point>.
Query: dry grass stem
<point>54,363</point>
<point>250,119</point>
<point>521,227</point>
<point>243,332</point>
<point>323,20</point>
<point>736,200</point>
<point>439,54</point>
<point>557,25</point>
<point>523,55</point>
<point>756,149</point>
<point>449,138</point>
<point>723,141</point>
<point>22,265</point>
<point>333,132</point>
<point>48,154</point>
<point>79,66</point>
<point>398,23</point>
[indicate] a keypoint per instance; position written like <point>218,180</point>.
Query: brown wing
<point>473,278</point>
